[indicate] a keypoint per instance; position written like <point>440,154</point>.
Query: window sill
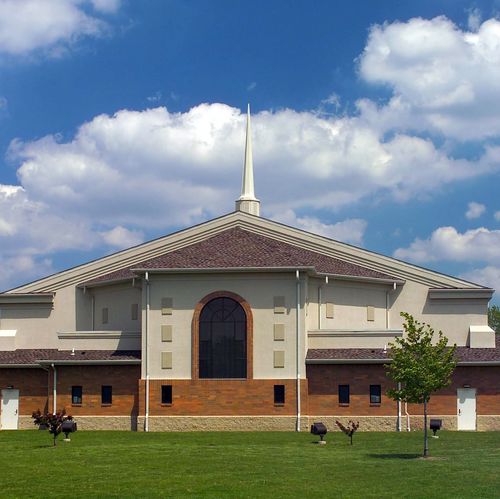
<point>76,405</point>
<point>279,405</point>
<point>166,405</point>
<point>375,405</point>
<point>343,405</point>
<point>106,405</point>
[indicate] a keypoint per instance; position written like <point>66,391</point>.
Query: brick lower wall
<point>323,381</point>
<point>250,397</point>
<point>244,404</point>
<point>32,385</point>
<point>123,380</point>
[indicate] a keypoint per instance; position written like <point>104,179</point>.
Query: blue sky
<point>376,123</point>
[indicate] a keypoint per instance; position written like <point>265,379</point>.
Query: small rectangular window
<point>343,394</point>
<point>279,394</point>
<point>106,395</point>
<point>166,394</point>
<point>375,394</point>
<point>76,395</point>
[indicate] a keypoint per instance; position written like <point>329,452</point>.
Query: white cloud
<point>106,6</point>
<point>27,266</point>
<point>51,26</point>
<point>446,243</point>
<point>121,237</point>
<point>125,175</point>
<point>497,215</point>
<point>349,231</point>
<point>444,79</point>
<point>487,276</point>
<point>474,210</point>
<point>474,19</point>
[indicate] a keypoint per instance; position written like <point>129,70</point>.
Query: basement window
<point>279,394</point>
<point>106,394</point>
<point>344,394</point>
<point>166,394</point>
<point>375,394</point>
<point>76,395</point>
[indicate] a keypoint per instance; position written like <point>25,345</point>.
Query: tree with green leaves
<point>421,364</point>
<point>494,318</point>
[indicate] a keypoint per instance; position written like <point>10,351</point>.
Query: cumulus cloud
<point>51,26</point>
<point>486,276</point>
<point>120,237</point>
<point>443,78</point>
<point>474,210</point>
<point>497,215</point>
<point>348,231</point>
<point>27,266</point>
<point>446,243</point>
<point>135,172</point>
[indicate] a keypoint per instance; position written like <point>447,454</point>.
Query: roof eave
<point>26,298</point>
<point>89,362</point>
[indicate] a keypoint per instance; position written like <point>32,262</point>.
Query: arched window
<point>223,340</point>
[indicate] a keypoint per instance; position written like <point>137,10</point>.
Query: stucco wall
<point>258,290</point>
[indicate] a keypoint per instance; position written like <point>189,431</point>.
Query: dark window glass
<point>343,394</point>
<point>166,394</point>
<point>375,394</point>
<point>106,394</point>
<point>223,340</point>
<point>76,394</point>
<point>279,394</point>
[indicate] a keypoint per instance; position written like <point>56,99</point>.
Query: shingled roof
<point>239,248</point>
<point>377,355</point>
<point>40,356</point>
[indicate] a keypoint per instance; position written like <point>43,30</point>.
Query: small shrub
<point>350,429</point>
<point>52,421</point>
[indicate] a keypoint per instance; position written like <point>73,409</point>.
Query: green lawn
<point>248,465</point>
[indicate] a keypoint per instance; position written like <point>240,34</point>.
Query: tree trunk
<point>426,446</point>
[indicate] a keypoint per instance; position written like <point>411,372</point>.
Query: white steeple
<point>247,202</point>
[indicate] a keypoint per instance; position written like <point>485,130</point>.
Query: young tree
<point>494,318</point>
<point>420,366</point>
<point>52,421</point>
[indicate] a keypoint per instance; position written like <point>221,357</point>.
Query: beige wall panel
<point>118,300</point>
<point>351,301</point>
<point>279,332</point>
<point>453,317</point>
<point>166,332</point>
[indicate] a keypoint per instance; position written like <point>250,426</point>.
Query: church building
<point>239,323</point>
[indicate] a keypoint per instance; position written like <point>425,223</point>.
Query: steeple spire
<point>247,202</point>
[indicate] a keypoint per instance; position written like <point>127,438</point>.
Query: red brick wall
<point>32,386</point>
<point>222,397</point>
<point>123,379</point>
<point>323,381</point>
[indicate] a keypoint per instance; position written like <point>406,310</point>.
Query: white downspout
<point>93,312</point>
<point>407,417</point>
<point>54,393</point>
<point>297,331</point>
<point>399,410</point>
<point>320,301</point>
<point>320,288</point>
<point>146,355</point>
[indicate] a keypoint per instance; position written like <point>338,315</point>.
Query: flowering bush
<point>350,429</point>
<point>52,421</point>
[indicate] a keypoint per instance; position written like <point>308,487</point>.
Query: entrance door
<point>466,408</point>
<point>10,409</point>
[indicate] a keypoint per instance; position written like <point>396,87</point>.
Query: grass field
<point>248,465</point>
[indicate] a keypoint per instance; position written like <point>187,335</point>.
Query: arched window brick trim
<point>195,327</point>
